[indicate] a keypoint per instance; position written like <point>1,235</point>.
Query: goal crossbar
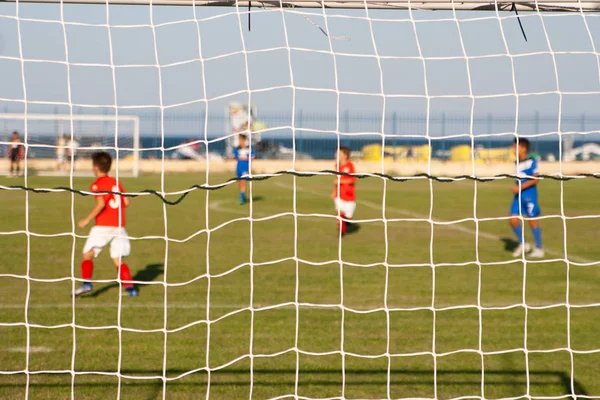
<point>473,5</point>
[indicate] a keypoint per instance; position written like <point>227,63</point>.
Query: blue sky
<point>139,35</point>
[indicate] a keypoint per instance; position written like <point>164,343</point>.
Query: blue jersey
<point>243,156</point>
<point>526,202</point>
<point>525,170</point>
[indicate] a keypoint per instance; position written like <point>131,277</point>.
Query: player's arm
<point>344,180</point>
<point>100,204</point>
<point>125,198</point>
<point>531,182</point>
<point>347,179</point>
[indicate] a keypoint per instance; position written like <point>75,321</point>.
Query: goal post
<point>81,135</point>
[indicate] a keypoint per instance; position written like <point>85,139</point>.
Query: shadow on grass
<point>352,227</point>
<point>328,377</point>
<point>148,274</point>
<point>510,244</point>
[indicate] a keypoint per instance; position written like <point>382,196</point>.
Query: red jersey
<point>346,191</point>
<point>114,209</point>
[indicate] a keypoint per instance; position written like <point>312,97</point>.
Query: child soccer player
<point>60,151</point>
<point>15,151</point>
<point>109,213</point>
<point>344,193</point>
<point>525,200</point>
<point>243,155</point>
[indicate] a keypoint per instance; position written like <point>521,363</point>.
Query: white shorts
<point>345,207</point>
<point>100,236</point>
<point>60,158</point>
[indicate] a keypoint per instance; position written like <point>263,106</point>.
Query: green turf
<point>276,260</point>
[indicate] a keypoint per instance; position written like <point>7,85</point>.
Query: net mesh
<point>270,301</point>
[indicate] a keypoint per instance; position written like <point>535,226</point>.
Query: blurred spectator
<point>60,151</point>
<point>15,154</point>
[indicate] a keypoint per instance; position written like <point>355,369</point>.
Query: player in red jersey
<point>109,213</point>
<point>344,192</point>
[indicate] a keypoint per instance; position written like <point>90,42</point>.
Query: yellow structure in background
<point>482,155</point>
<point>372,152</point>
<point>462,153</point>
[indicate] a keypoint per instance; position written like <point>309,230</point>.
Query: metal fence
<point>317,135</point>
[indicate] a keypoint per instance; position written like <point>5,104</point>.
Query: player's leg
<point>18,168</point>
<point>120,248</point>
<point>241,172</point>
<point>94,244</point>
<point>242,186</point>
<point>515,223</point>
<point>339,208</point>
<point>87,269</point>
<point>348,208</point>
<point>533,211</point>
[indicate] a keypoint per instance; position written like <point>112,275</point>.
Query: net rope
<point>177,198</point>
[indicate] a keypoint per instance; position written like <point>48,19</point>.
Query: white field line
<point>32,349</point>
<point>455,227</point>
<point>217,205</point>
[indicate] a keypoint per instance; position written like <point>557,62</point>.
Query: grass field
<point>456,326</point>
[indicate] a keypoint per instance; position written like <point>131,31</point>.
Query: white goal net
<point>249,283</point>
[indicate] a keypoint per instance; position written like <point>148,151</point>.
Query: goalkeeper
<point>525,201</point>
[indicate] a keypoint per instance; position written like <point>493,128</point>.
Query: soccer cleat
<point>131,291</point>
<point>84,290</point>
<point>523,248</point>
<point>537,253</point>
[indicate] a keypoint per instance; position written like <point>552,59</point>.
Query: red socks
<point>125,275</point>
<point>87,267</point>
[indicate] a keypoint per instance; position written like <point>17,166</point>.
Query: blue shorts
<point>528,206</point>
<point>241,172</point>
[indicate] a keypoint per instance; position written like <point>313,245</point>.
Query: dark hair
<point>523,142</point>
<point>345,150</point>
<point>15,133</point>
<point>242,136</point>
<point>102,160</point>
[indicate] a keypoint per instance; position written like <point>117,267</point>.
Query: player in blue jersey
<point>525,201</point>
<point>242,154</point>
